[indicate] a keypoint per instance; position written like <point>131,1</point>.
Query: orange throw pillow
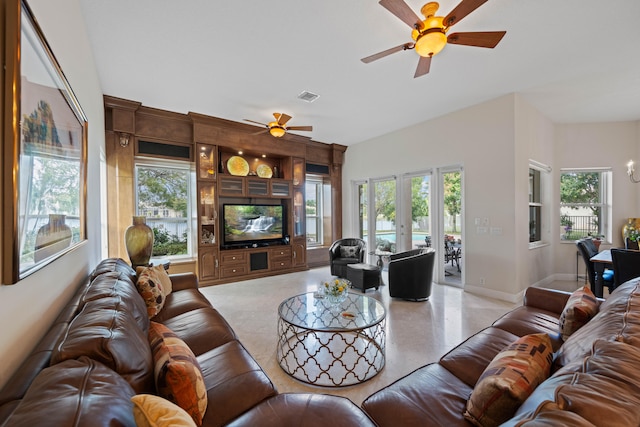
<point>177,372</point>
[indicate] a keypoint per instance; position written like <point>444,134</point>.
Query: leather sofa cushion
<point>105,331</point>
<point>603,389</point>
<point>202,329</point>
<point>114,264</point>
<point>235,383</point>
<point>429,396</point>
<point>81,393</point>
<point>115,284</point>
<point>346,261</point>
<point>289,410</point>
<point>617,319</point>
<point>469,360</point>
<point>526,320</point>
<point>180,302</point>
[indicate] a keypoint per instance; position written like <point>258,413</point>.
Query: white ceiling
<point>574,60</point>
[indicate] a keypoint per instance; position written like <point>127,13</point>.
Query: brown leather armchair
<point>411,274</point>
<point>344,252</point>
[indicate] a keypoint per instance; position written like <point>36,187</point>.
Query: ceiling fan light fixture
<point>430,43</point>
<point>276,130</point>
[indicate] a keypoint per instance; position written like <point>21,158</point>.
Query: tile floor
<point>417,332</point>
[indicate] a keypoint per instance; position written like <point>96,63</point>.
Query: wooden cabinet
<point>280,257</point>
<point>299,252</point>
<point>208,264</point>
<point>299,241</point>
<point>206,188</point>
<point>219,264</point>
<point>241,186</point>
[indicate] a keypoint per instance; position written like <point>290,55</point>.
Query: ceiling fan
<point>430,34</point>
<point>279,127</point>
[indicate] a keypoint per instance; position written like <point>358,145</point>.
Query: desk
<point>601,261</point>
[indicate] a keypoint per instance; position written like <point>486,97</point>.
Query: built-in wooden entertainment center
<point>273,181</point>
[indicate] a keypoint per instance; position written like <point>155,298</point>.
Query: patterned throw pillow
<point>161,274</point>
<point>509,379</point>
<point>177,372</point>
<point>349,251</point>
<point>150,287</point>
<point>154,411</point>
<point>580,308</point>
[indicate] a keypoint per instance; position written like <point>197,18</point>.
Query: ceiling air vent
<point>308,96</point>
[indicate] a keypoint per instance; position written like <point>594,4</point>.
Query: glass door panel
<point>415,225</point>
<point>452,226</point>
<point>363,207</point>
<point>383,241</point>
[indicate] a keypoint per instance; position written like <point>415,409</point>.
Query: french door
<point>416,210</point>
<point>450,227</point>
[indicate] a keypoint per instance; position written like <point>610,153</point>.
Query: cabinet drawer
<point>234,258</point>
<point>238,270</point>
<point>280,264</point>
<point>279,254</point>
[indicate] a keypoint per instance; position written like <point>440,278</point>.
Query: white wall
<point>598,145</point>
<point>28,307</point>
<point>494,142</point>
<point>534,141</point>
<point>481,139</point>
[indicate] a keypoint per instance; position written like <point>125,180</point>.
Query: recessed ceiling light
<point>308,96</point>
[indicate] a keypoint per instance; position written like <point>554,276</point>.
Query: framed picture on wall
<point>44,166</point>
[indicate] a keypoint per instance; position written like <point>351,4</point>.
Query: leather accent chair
<point>626,265</point>
<point>587,249</point>
<point>340,258</point>
<point>411,274</point>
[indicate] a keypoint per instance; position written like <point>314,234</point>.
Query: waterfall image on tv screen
<point>252,223</point>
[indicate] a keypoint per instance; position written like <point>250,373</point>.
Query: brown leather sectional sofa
<point>96,356</point>
<point>595,376</point>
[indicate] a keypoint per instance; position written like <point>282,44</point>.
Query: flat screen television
<point>248,224</point>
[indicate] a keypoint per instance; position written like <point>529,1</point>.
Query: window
<point>314,209</point>
<point>535,206</point>
<point>585,203</point>
<point>163,195</point>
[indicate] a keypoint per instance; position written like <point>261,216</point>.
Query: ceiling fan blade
<point>283,119</point>
<point>262,131</point>
<point>258,123</point>
<point>479,39</point>
<point>463,8</point>
<point>423,66</point>
<point>307,128</point>
<point>401,10</point>
<point>387,52</point>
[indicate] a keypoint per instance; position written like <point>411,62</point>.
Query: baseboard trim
<point>490,293</point>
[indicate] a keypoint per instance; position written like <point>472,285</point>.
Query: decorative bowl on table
<point>335,290</point>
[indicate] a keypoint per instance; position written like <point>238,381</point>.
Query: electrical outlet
<point>482,280</point>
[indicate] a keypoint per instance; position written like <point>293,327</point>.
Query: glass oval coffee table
<point>331,345</point>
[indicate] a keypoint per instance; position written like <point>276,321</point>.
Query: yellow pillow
<point>154,411</point>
